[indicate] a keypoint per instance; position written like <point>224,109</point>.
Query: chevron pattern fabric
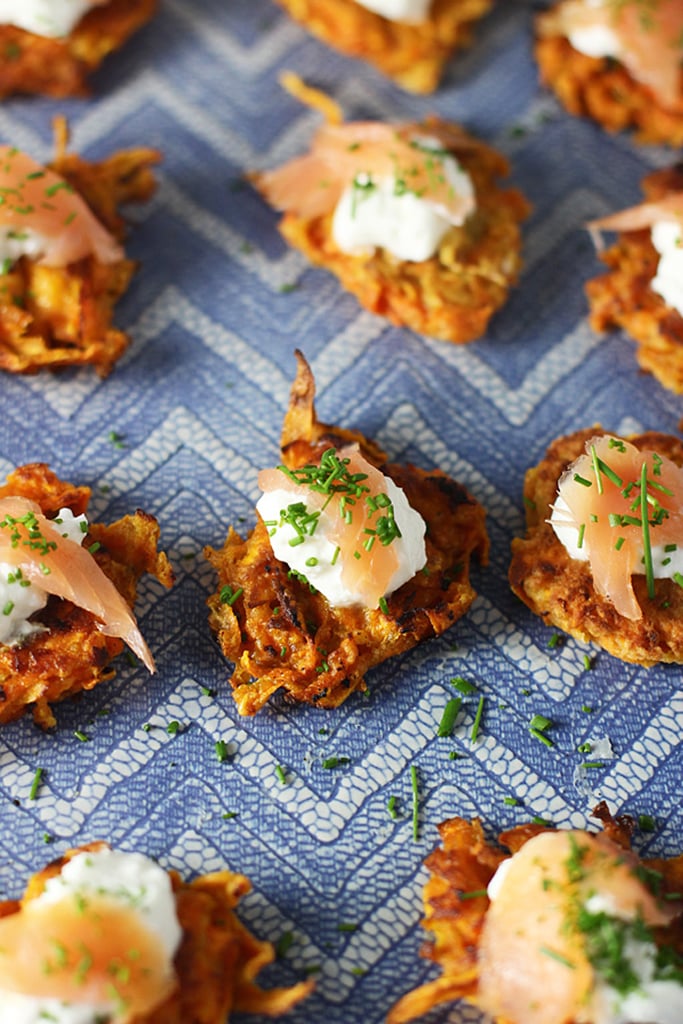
<point>215,312</point>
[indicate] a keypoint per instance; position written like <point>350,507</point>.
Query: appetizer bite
<point>103,935</point>
<point>618,62</point>
<point>411,41</point>
<point>603,555</point>
<point>643,289</point>
<point>352,561</point>
<point>52,46</point>
<point>410,219</point>
<point>67,587</point>
<point>570,927</point>
<point>62,268</point>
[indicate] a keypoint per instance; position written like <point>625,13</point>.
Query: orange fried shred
<point>281,635</point>
<point>218,959</point>
<point>413,55</point>
<point>601,88</point>
<point>623,298</point>
<point>60,67</point>
<point>52,317</point>
<point>72,654</point>
<point>465,864</point>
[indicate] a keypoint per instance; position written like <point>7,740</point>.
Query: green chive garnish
<point>416,802</point>
<point>35,785</point>
<point>477,721</point>
<point>450,713</point>
<point>647,549</point>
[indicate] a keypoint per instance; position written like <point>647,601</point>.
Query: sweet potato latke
<point>218,959</point>
<point>560,589</point>
<point>280,634</point>
<point>52,317</point>
<point>72,654</point>
<point>452,295</point>
<point>413,55</point>
<point>60,67</point>
<point>623,296</point>
<point>602,89</point>
<point>456,905</point>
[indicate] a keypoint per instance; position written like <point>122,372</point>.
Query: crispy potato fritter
<point>414,55</point>
<point>560,588</point>
<point>601,88</point>
<point>51,317</point>
<point>218,959</point>
<point>60,67</point>
<point>71,654</point>
<point>281,634</point>
<point>465,864</point>
<point>623,298</point>
<point>453,295</point>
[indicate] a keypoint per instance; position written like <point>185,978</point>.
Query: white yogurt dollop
<point>378,214</point>
<point>132,880</point>
<point>596,40</point>
<point>50,18</point>
<point>667,238</point>
<point>326,572</point>
<point>20,599</point>
<point>411,11</point>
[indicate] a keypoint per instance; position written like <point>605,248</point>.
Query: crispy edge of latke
<point>52,317</point>
<point>73,654</point>
<point>453,295</point>
<point>218,958</point>
<point>414,56</point>
<point>602,89</point>
<point>623,297</point>
<point>328,650</point>
<point>59,68</point>
<point>560,588</point>
<point>465,863</point>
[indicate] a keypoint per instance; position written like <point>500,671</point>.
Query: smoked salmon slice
<point>365,152</point>
<point>34,198</point>
<point>30,541</point>
<point>603,496</point>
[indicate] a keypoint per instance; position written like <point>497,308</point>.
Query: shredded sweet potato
<point>51,317</point>
<point>60,67</point>
<point>623,296</point>
<point>602,88</point>
<point>72,654</point>
<point>218,959</point>
<point>280,634</point>
<point>465,864</point>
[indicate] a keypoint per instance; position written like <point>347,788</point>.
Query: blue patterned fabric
<point>198,401</point>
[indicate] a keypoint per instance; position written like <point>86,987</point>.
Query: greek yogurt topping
<point>19,599</point>
<point>388,214</point>
<point>318,558</point>
<point>50,18</point>
<point>130,879</point>
<point>399,10</point>
<point>596,40</point>
<point>666,563</point>
<point>667,238</point>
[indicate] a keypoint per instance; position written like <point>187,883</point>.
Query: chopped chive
<point>463,686</point>
<point>344,926</point>
<point>207,691</point>
<point>593,764</point>
<point>9,607</point>
<point>647,549</point>
<point>538,820</point>
<point>383,606</point>
<point>540,722</point>
<point>35,785</point>
<point>283,944</point>
<point>416,802</point>
<point>587,709</point>
<point>587,662</point>
<point>646,823</point>
<point>538,735</point>
<point>670,547</point>
<point>554,640</point>
<point>582,480</point>
<point>510,801</point>
<point>221,748</point>
<point>678,578</point>
<point>619,543</point>
<point>582,530</point>
<point>334,762</point>
<point>473,894</point>
<point>94,547</point>
<point>392,810</point>
<point>229,815</point>
<point>557,956</point>
<point>280,772</point>
<point>477,721</point>
<point>596,470</point>
<point>450,713</point>
<point>81,736</point>
<point>172,728</point>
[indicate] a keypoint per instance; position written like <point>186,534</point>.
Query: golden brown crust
<point>560,589</point>
<point>60,67</point>
<point>623,296</point>
<point>601,88</point>
<point>453,295</point>
<point>52,317</point>
<point>218,959</point>
<point>414,56</point>
<point>281,635</point>
<point>73,654</point>
<point>466,863</point>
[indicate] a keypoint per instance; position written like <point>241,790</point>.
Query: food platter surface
<point>193,411</point>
